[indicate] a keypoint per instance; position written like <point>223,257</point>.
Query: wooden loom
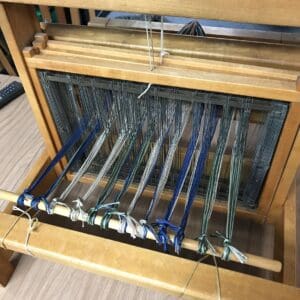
<point>265,70</point>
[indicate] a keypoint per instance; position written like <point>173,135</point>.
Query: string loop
<point>205,244</point>
<point>228,249</point>
<point>32,225</point>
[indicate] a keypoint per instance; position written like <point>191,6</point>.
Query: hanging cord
<point>149,37</point>
<point>151,49</point>
<point>226,122</point>
<point>68,145</point>
<point>162,51</point>
<point>148,27</point>
<point>218,280</point>
<point>234,182</point>
<point>180,122</point>
<point>164,223</point>
<point>209,129</point>
<point>32,224</point>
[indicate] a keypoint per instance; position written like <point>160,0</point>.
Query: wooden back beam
<point>274,12</point>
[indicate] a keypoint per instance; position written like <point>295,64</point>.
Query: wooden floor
<point>20,145</point>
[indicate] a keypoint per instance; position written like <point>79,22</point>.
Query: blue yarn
<point>198,113</point>
<point>162,234</point>
<point>66,147</point>
<point>79,152</point>
<point>208,136</point>
<point>163,224</point>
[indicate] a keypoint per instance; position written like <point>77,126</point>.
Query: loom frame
<point>19,27</point>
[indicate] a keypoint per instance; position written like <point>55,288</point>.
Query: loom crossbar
<point>189,244</point>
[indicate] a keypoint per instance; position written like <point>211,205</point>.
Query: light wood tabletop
<point>20,146</point>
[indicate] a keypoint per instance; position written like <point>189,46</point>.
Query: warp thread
<point>218,280</point>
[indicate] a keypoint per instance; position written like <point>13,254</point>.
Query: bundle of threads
<point>160,140</point>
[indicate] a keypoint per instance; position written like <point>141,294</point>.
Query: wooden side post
<point>19,25</point>
<point>6,268</point>
<point>290,241</point>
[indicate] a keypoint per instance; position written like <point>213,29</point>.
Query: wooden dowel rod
<point>253,260</point>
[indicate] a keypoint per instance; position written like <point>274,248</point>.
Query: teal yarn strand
<point>234,181</point>
<point>113,177</point>
<point>212,187</point>
<point>129,179</point>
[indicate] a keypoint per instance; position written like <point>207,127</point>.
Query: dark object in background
<point>5,58</point>
<point>192,28</point>
<point>10,92</point>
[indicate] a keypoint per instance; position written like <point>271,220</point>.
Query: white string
<point>52,205</point>
<point>150,53</point>
<point>150,44</point>
<point>107,165</point>
<point>162,51</point>
<point>31,227</point>
<point>127,221</point>
<point>171,152</point>
<point>218,280</point>
<point>192,274</point>
<point>145,91</point>
<point>95,150</point>
<point>77,212</point>
<point>152,159</point>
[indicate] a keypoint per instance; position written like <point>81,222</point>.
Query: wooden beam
<point>245,52</point>
<point>60,13</point>
<point>99,51</point>
<point>274,12</point>
<point>45,107</point>
<point>92,14</point>
<point>290,241</point>
<point>189,244</point>
<point>288,175</point>
<point>19,24</point>
<point>6,268</point>
<point>297,225</point>
<point>6,65</point>
<point>137,265</point>
<point>45,11</point>
<point>75,16</point>
<point>183,77</point>
<point>281,156</point>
